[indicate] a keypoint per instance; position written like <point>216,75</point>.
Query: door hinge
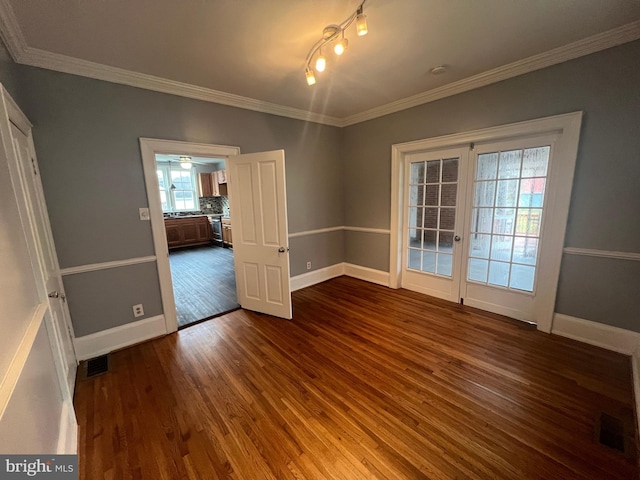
<point>472,146</point>
<point>33,165</point>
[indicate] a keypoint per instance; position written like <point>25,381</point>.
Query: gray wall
<point>606,195</point>
<point>322,250</point>
<point>92,303</point>
<point>86,135</point>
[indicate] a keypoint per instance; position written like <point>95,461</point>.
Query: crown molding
<point>54,61</point>
<point>15,42</point>
<point>11,33</point>
<point>586,46</point>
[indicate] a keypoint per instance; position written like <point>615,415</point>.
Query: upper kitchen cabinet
<point>213,184</point>
<point>222,176</point>
<point>206,185</point>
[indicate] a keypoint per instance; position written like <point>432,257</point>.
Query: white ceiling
<point>257,48</point>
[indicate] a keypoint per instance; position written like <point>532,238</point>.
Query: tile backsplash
<point>218,205</point>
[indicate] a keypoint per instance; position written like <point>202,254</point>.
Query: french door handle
<point>457,238</point>
<point>56,294</point>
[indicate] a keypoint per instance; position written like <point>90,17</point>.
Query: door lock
<point>457,238</point>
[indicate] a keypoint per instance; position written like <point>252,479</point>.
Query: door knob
<point>56,294</point>
<point>457,238</point>
<point>283,249</point>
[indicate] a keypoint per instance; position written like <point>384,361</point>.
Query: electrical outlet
<point>138,310</point>
<point>308,265</point>
<point>144,214</point>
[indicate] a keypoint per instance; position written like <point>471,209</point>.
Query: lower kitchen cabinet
<point>187,231</point>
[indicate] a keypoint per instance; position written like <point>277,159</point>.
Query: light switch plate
<point>144,213</point>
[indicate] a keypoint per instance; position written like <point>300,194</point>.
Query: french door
<point>432,255</point>
<point>473,226</point>
<point>505,212</point>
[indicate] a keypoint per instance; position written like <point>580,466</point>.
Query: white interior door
<point>434,221</point>
<point>58,324</point>
<point>257,196</point>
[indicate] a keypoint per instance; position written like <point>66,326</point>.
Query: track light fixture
<point>334,34</point>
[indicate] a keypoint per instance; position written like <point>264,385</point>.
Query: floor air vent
<point>97,366</point>
<point>611,432</point>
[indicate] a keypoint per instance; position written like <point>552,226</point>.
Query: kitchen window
<point>178,190</point>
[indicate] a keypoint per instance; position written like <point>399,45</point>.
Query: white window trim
<point>568,128</point>
<point>167,168</point>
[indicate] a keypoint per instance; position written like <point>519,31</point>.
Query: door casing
<point>567,126</point>
<point>149,148</point>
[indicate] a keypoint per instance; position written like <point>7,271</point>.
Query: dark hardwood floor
<point>204,282</point>
<point>364,382</point>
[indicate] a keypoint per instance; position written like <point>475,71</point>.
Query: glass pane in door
<point>433,191</point>
<point>506,217</point>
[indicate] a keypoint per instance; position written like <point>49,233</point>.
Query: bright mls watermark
<point>51,467</point>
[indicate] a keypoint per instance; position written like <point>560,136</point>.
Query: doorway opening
<point>479,217</point>
<point>195,207</point>
<point>187,213</point>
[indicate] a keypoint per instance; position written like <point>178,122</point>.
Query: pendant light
<point>185,162</point>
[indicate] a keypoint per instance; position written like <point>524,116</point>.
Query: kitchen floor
<point>204,282</point>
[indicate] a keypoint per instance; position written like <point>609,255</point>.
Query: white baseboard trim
<point>68,431</point>
<point>598,334</point>
<point>323,274</point>
<point>367,274</point>
<point>317,276</point>
<point>106,341</point>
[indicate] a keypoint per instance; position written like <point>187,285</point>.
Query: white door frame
<point>149,147</point>
<point>566,150</point>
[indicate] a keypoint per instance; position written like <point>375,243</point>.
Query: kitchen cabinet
<point>187,231</point>
<point>222,176</point>
<point>227,238</point>
<point>213,184</point>
<point>206,185</point>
